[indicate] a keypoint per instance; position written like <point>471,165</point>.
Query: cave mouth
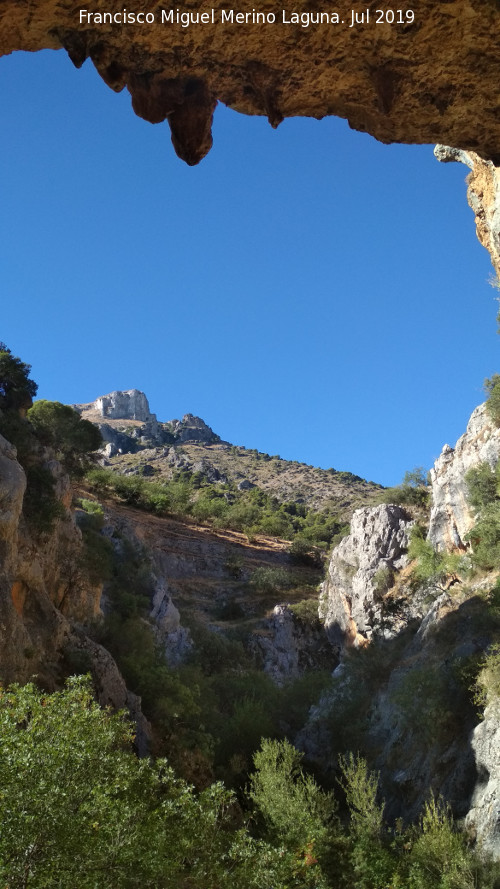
<point>307,291</point>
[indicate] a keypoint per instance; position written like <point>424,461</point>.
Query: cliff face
<point>431,78</point>
<point>483,194</point>
<point>451,516</point>
<point>360,572</point>
<point>409,652</point>
<point>45,597</point>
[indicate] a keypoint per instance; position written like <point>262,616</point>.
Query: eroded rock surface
<point>289,646</point>
<point>360,570</point>
<point>129,405</point>
<point>451,516</point>
<point>484,814</point>
<point>433,79</point>
<point>483,195</point>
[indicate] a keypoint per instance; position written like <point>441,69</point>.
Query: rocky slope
<point>434,77</point>
<point>144,446</point>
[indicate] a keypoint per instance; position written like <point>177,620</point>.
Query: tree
<point>492,387</point>
<point>295,810</point>
<point>77,808</point>
<point>60,427</point>
<point>16,389</point>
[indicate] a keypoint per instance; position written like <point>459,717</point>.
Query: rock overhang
<point>433,78</point>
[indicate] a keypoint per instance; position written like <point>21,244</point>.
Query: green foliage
<point>431,565</point>
<point>307,612</point>
<point>17,390</point>
<point>482,485</point>
<point>439,858</point>
<point>61,428</point>
<point>41,507</point>
<point>77,808</point>
<point>429,562</point>
<point>485,538</point>
<point>92,508</point>
<point>303,553</point>
<point>295,811</point>
<point>270,580</point>
<point>252,512</point>
<point>487,685</point>
<point>492,387</point>
<point>372,860</point>
<point>382,580</point>
<point>414,490</point>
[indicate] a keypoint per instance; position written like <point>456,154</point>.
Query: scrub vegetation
<point>78,808</point>
<point>188,496</point>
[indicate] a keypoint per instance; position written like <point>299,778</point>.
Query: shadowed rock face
<point>431,80</point>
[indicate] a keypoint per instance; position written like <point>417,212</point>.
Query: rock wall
<point>290,646</point>
<point>451,517</point>
<point>352,595</point>
<point>483,195</point>
<point>44,596</point>
<point>484,815</point>
<point>432,78</point>
<point>130,404</point>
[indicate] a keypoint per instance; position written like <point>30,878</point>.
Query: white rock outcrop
<point>451,517</point>
<point>350,602</point>
<point>129,405</point>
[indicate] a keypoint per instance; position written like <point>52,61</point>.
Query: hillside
<point>137,443</point>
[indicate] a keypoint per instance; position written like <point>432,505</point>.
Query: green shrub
<point>61,428</point>
<point>78,808</point>
<point>485,538</point>
<point>270,580</point>
<point>414,490</point>
<point>17,390</point>
<point>383,580</point>
<point>492,387</point>
<point>373,863</point>
<point>439,858</point>
<point>487,686</point>
<point>432,565</point>
<point>41,507</point>
<point>295,811</point>
<point>482,483</point>
<point>307,612</point>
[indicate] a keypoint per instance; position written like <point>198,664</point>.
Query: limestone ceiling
<point>433,79</point>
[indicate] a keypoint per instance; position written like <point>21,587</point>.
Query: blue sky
<point>307,291</point>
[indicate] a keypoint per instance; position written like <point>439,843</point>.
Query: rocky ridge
<point>160,449</point>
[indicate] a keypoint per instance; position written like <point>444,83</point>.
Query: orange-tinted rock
<point>18,593</point>
<point>433,79</point>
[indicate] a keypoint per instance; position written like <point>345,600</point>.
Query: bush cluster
<point>414,490</point>
<point>78,808</point>
<point>223,506</point>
